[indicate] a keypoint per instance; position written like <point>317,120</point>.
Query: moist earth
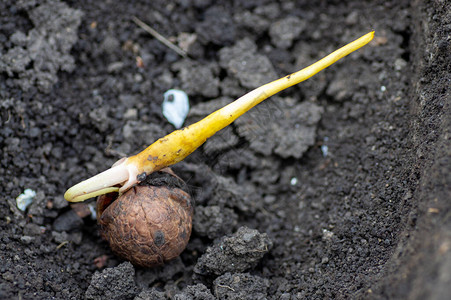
<point>336,188</point>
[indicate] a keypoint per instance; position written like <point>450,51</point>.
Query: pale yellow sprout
<point>177,145</point>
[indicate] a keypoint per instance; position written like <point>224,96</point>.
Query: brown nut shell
<point>147,225</point>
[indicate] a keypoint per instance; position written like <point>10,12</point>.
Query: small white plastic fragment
<point>175,107</point>
<point>324,147</point>
<point>25,199</point>
<point>93,211</point>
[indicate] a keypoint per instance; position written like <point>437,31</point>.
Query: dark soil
<point>337,188</point>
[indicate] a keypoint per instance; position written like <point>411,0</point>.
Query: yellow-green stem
<point>177,145</point>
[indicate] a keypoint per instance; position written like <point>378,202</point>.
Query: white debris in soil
<point>327,235</point>
<point>324,147</point>
<point>25,199</point>
<point>93,211</point>
<point>175,107</point>
<point>294,181</point>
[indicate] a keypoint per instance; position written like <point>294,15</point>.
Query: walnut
<point>147,225</point>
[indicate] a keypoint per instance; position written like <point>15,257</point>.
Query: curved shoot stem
<point>177,145</point>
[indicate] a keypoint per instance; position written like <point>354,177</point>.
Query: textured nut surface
<point>147,225</point>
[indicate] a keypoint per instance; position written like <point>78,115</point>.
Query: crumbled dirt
<point>236,253</point>
<point>346,175</point>
<point>113,283</point>
<point>214,221</point>
<point>240,286</point>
